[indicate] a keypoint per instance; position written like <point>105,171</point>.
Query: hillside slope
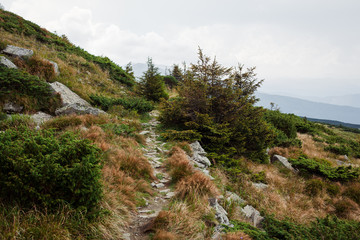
<point>311,109</point>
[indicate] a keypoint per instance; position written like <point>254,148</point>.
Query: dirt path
<point>153,151</point>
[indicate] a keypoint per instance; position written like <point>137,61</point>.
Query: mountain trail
<point>140,226</point>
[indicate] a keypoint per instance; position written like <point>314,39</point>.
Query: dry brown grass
<point>181,221</point>
<point>314,149</point>
<point>179,164</point>
<point>237,236</point>
<point>164,235</point>
<point>196,186</point>
<point>286,196</point>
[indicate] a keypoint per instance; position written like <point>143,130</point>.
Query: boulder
<point>11,108</point>
<point>41,117</point>
<point>68,97</point>
<point>196,147</point>
<point>77,108</point>
<point>56,67</point>
<point>203,161</point>
<point>253,215</point>
<point>220,213</point>
<point>260,185</point>
<point>233,197</point>
<point>283,161</point>
<point>7,63</point>
<point>18,52</point>
<point>199,155</point>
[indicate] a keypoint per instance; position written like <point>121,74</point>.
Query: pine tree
<point>152,85</point>
<point>129,69</point>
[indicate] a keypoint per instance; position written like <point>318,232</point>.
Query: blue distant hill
<point>310,109</point>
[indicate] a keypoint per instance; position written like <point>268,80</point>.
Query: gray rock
<point>233,197</point>
<point>169,195</point>
<point>77,108</point>
<point>40,117</point>
<point>68,97</point>
<point>253,215</point>
<point>196,147</point>
<point>200,159</point>
<point>7,63</point>
<point>220,213</point>
<point>260,185</point>
<point>56,67</point>
<point>18,52</point>
<point>346,158</point>
<point>11,108</point>
<point>126,236</point>
<point>283,161</point>
<point>144,132</point>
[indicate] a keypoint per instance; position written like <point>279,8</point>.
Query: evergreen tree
<point>218,102</point>
<point>176,73</point>
<point>129,69</point>
<point>152,85</point>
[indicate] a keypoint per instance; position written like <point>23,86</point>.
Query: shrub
<point>311,166</point>
<point>133,103</point>
<point>314,187</point>
<point>37,167</point>
<point>3,45</point>
<point>333,189</point>
<point>259,177</point>
<point>281,121</point>
<point>330,228</point>
<point>338,149</point>
<point>16,121</point>
<point>41,68</point>
<point>170,81</point>
<point>185,135</point>
<point>23,87</point>
<point>353,192</point>
<point>344,207</point>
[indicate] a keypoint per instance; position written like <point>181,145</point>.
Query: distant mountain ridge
<point>311,109</point>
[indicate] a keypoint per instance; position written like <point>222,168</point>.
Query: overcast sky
<point>300,47</point>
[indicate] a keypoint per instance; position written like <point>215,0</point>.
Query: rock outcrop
<point>68,97</point>
<point>77,108</point>
<point>41,117</point>
<point>11,108</point>
<point>220,213</point>
<point>233,197</point>
<point>7,63</point>
<point>199,159</point>
<point>72,103</point>
<point>253,215</point>
<point>283,161</point>
<point>18,52</point>
<point>56,67</point>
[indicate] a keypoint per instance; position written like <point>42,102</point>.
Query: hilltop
<point>87,152</point>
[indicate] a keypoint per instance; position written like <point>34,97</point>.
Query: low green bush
<point>185,135</point>
<point>333,189</point>
<point>134,103</point>
<point>338,149</point>
<point>15,121</point>
<point>170,81</point>
<point>353,192</point>
<point>120,129</point>
<point>24,88</point>
<point>314,187</point>
<point>281,121</point>
<point>310,166</point>
<point>329,228</point>
<point>48,170</point>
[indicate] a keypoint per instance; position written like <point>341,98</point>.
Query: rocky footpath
<point>154,151</point>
